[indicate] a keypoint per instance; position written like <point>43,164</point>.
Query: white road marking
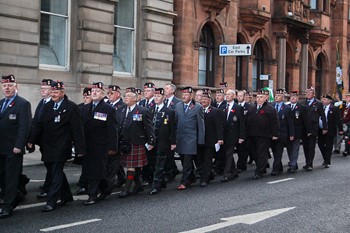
<point>78,174</point>
<point>76,198</point>
<point>245,219</point>
<point>36,181</point>
<point>22,207</point>
<point>279,181</point>
<point>70,225</point>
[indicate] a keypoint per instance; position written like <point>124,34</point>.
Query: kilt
<point>136,158</point>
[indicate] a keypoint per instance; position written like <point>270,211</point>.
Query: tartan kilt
<point>136,158</point>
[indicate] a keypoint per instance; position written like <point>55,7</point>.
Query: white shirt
<point>131,109</point>
<point>159,107</point>
<point>326,110</point>
<point>170,99</point>
<point>206,109</point>
<point>230,105</point>
<point>242,104</point>
<point>115,102</point>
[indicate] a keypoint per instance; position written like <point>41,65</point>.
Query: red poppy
<point>11,104</point>
<point>233,110</point>
<point>261,111</point>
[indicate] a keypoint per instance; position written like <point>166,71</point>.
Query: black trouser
<point>148,170</point>
<point>259,149</point>
<point>206,154</point>
<point>277,147</point>
<point>309,144</point>
<point>230,165</point>
<point>170,166</point>
<point>59,187</point>
<point>187,166</point>
<point>48,176</point>
<point>97,186</point>
<point>83,182</point>
<point>114,169</point>
<point>11,167</point>
<point>325,143</point>
<point>159,169</point>
<point>242,155</point>
<point>220,158</point>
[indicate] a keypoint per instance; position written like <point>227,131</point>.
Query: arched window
<point>206,57</point>
<point>258,66</point>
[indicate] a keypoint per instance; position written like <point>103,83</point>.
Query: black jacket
<point>57,129</point>
<point>15,125</point>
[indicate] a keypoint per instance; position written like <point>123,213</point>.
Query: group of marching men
<point>140,134</point>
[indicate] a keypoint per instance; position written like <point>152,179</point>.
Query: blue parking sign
<point>223,49</point>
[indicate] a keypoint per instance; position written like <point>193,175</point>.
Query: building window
<point>206,57</point>
<point>124,36</point>
<point>54,33</point>
<point>313,4</point>
<point>258,66</point>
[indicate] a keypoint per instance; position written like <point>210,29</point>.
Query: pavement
<point>32,159</point>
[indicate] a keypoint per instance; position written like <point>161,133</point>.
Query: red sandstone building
<point>294,41</point>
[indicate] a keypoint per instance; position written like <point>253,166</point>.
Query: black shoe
<point>345,154</point>
<point>5,213</point>
<point>47,208</point>
<point>119,183</point>
<point>203,184</point>
<point>124,194</point>
<point>41,195</point>
<point>326,165</point>
<point>62,202</point>
<point>81,191</point>
<point>257,177</point>
<point>336,152</point>
<point>102,196</point>
<point>138,190</point>
<point>308,169</point>
<point>42,187</point>
<point>235,176</point>
<point>90,201</point>
<point>275,173</point>
<point>146,183</point>
<point>225,179</point>
<point>153,191</point>
<point>291,170</point>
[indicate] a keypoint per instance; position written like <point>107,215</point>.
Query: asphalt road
<point>318,201</point>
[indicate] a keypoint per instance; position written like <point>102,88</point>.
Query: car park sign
<point>236,50</point>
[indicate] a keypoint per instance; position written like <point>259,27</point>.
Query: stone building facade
<point>130,42</point>
<point>293,41</point>
<point>124,42</point>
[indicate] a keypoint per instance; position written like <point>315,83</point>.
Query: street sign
<point>235,50</point>
<point>264,77</point>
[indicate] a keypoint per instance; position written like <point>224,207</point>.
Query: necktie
<point>166,101</point>
<point>277,107</point>
<point>185,107</point>
<point>93,106</point>
<point>293,106</point>
<point>217,105</point>
<point>147,103</point>
<point>157,109</point>
<point>55,107</point>
<point>5,105</point>
<point>227,107</point>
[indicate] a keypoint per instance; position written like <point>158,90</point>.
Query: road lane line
<point>22,207</point>
<point>70,225</point>
<point>76,198</point>
<point>36,181</point>
<point>279,181</point>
